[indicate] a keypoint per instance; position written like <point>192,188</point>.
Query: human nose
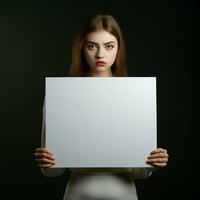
<point>100,53</point>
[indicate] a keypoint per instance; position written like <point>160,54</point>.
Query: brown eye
<point>108,47</point>
<point>91,46</point>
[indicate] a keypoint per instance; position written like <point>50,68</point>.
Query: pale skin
<point>101,46</point>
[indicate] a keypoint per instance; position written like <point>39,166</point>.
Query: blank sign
<point>101,121</point>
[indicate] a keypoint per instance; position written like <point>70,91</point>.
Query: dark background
<point>35,42</point>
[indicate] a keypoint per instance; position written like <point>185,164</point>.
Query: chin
<point>101,69</point>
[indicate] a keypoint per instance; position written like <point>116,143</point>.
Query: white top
<point>98,183</point>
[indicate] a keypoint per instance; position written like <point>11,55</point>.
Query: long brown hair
<point>79,66</point>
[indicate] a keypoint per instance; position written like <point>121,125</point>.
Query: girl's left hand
<point>158,157</point>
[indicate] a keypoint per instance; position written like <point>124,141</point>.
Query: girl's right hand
<point>44,158</point>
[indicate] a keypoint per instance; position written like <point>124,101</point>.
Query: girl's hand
<point>158,157</point>
<point>44,158</point>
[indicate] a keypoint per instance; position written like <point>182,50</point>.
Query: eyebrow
<point>97,43</point>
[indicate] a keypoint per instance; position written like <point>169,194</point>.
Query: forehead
<point>100,37</point>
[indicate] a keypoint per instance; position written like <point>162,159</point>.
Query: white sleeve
<point>140,173</point>
<point>49,172</point>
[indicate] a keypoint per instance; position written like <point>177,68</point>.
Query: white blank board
<point>101,121</point>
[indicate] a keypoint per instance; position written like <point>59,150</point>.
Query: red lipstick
<point>100,63</point>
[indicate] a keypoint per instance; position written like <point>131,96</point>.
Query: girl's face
<point>100,51</point>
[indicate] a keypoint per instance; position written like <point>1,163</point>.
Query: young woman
<point>99,51</point>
